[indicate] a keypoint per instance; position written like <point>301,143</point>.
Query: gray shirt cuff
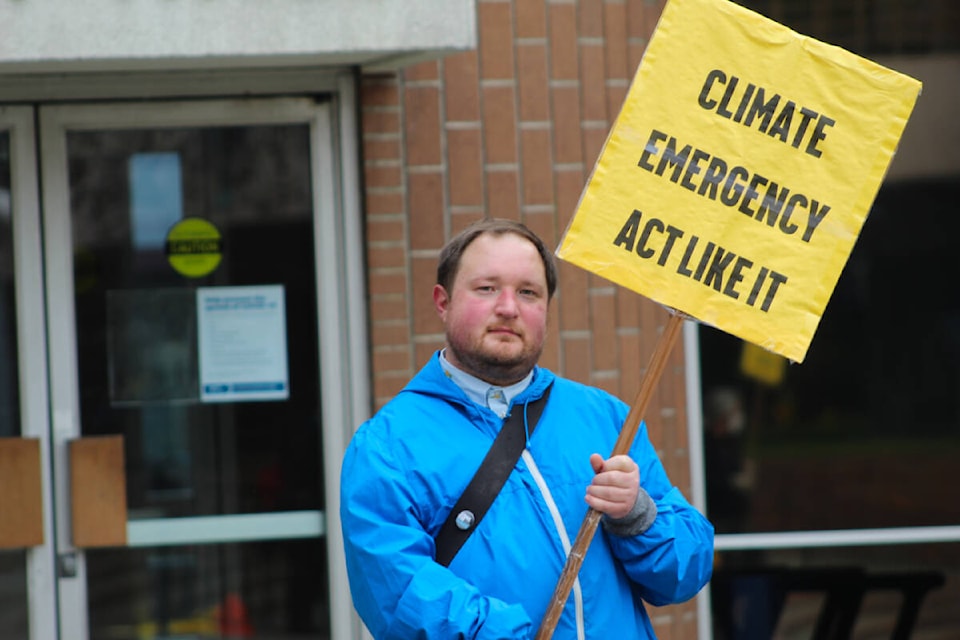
<point>641,516</point>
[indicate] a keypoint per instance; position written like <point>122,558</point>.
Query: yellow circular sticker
<point>194,247</point>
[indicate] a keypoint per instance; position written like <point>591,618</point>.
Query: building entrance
<point>171,340</point>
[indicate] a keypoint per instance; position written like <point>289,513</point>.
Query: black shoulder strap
<point>488,480</point>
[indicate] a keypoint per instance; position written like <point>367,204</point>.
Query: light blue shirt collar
<point>496,398</point>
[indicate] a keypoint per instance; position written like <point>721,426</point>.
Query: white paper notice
<point>242,343</point>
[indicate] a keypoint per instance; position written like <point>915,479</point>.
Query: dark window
<point>864,431</point>
<point>877,27</point>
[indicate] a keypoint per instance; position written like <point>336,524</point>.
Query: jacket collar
<point>433,380</point>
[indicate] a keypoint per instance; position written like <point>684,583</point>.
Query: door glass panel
<point>13,594</point>
<point>13,563</point>
<point>261,590</point>
<point>9,381</point>
<point>137,272</point>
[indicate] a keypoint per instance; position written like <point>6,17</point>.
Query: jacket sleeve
<point>673,559</point>
<point>398,589</point>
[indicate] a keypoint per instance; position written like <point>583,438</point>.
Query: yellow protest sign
<point>762,365</point>
<point>738,174</point>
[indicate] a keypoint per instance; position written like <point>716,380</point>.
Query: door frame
<point>341,309</point>
<point>32,354</point>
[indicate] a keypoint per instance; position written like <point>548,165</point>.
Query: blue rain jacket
<point>406,467</point>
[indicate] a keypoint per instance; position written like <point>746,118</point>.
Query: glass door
<point>194,292</point>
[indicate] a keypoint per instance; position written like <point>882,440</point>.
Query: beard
<point>495,361</point>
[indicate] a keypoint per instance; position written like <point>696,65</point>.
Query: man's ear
<point>440,301</point>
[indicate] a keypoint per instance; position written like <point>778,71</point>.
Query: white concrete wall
<point>66,35</point>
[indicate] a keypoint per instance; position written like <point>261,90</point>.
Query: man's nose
<point>507,302</point>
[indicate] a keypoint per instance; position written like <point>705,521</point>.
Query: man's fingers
<point>620,463</point>
<point>610,493</point>
<point>614,487</point>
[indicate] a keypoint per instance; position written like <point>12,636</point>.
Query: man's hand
<point>615,486</point>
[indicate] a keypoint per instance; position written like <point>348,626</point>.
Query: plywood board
<point>98,492</point>
<point>21,497</point>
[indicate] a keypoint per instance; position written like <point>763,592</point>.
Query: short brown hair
<point>452,252</point>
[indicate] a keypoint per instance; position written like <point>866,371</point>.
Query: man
<point>406,467</point>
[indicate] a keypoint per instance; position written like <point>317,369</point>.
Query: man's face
<point>496,313</point>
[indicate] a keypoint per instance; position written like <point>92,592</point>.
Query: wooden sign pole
<point>628,432</point>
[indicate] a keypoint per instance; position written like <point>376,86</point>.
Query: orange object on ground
<point>232,618</point>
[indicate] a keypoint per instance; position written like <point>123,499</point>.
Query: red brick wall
<point>512,130</point>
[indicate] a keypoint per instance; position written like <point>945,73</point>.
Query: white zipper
<point>562,531</point>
